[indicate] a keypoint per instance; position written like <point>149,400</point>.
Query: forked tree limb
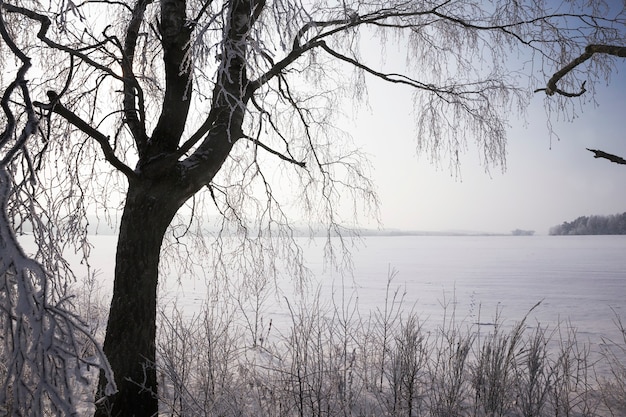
<point>590,50</point>
<point>551,89</point>
<point>103,140</point>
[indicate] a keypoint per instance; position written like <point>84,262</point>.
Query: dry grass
<point>326,358</point>
<point>329,360</point>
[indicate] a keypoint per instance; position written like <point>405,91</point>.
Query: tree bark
<point>157,189</point>
<point>131,330</point>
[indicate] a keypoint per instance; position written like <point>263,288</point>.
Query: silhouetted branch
<point>610,157</point>
<point>45,23</point>
<point>274,152</point>
<point>590,50</point>
<point>86,128</point>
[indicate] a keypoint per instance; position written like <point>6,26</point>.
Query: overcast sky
<point>545,182</point>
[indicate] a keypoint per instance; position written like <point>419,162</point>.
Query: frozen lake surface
<point>577,278</point>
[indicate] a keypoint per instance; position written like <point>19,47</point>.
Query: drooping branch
<point>392,78</point>
<point>40,348</point>
<point>590,50</point>
<point>275,128</point>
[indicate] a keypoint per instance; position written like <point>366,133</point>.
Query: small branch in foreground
<point>610,157</point>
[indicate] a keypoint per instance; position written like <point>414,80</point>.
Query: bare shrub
<point>199,363</point>
<point>613,385</point>
<point>449,371</point>
<point>571,390</point>
<point>407,369</point>
<point>534,375</point>
<point>493,376</point>
<point>328,360</point>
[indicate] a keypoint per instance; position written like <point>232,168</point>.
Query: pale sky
<point>546,181</point>
<point>544,184</point>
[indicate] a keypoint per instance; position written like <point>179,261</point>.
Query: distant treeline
<point>614,224</point>
<point>520,232</point>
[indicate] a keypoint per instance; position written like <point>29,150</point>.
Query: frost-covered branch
<point>41,339</point>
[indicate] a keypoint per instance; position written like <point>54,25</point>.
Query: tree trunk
<point>130,339</point>
<point>159,188</point>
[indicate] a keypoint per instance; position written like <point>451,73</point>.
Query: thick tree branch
<point>590,50</point>
<point>18,83</point>
<point>103,140</point>
<point>198,134</point>
<point>300,46</point>
<point>176,33</point>
<point>340,24</point>
<point>134,111</point>
<point>230,96</point>
<point>382,17</point>
<point>610,157</point>
<point>278,67</point>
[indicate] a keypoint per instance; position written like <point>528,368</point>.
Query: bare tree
<point>192,99</point>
